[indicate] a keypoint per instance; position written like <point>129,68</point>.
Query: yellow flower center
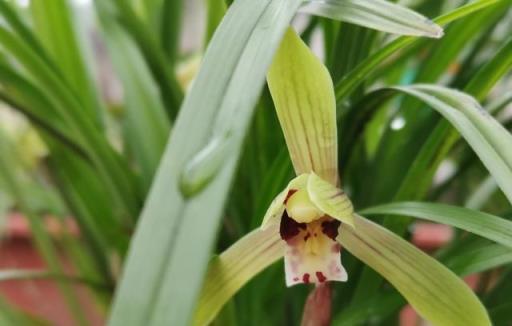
<point>301,209</point>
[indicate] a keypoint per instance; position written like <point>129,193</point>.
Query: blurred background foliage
<point>91,90</point>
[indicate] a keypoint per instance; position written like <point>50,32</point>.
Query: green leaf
<point>165,266</point>
<point>24,274</point>
<point>9,163</point>
<point>436,294</point>
<point>303,95</point>
<point>477,127</point>
<point>148,42</point>
<point>477,260</point>
<point>53,23</point>
<point>353,79</point>
<point>486,225</point>
<point>115,174</point>
<point>215,9</point>
<point>237,265</point>
<point>377,14</point>
<point>146,125</point>
<point>483,81</point>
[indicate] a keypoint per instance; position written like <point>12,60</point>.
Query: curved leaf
<point>479,259</point>
<point>486,225</point>
<point>437,294</point>
<point>475,125</point>
<point>355,77</point>
<point>377,14</point>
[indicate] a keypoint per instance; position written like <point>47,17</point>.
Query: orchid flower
<point>312,217</point>
<point>311,208</point>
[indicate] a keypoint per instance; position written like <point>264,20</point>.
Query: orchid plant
<point>181,156</point>
<point>314,218</point>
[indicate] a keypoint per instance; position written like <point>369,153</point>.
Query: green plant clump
<point>318,131</point>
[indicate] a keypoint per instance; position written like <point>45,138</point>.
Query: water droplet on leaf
<point>204,166</point>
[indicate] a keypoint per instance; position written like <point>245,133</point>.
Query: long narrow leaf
<point>454,107</point>
<point>165,266</point>
<point>486,225</point>
<point>377,14</point>
<point>366,67</point>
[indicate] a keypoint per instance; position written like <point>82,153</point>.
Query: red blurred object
<point>40,298</point>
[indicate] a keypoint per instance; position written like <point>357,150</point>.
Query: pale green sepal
<point>303,95</point>
<point>437,294</point>
<point>276,209</point>
<point>237,265</point>
<point>331,200</point>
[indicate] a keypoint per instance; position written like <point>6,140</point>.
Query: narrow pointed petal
<point>331,200</point>
<point>237,265</point>
<point>276,208</point>
<point>312,255</point>
<point>435,292</point>
<point>303,95</point>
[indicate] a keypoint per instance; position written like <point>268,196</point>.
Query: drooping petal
<point>303,95</point>
<point>435,292</point>
<point>331,200</point>
<point>276,208</point>
<point>311,255</point>
<point>231,270</point>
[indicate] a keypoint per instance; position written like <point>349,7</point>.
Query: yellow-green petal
<point>331,200</point>
<point>303,95</point>
<point>277,207</point>
<point>237,265</point>
<point>436,293</point>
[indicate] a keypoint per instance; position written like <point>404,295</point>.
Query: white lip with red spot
<point>311,255</point>
<point>310,212</point>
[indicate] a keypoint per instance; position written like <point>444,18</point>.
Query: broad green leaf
<point>435,293</point>
<point>237,265</point>
<point>165,266</point>
<point>486,225</point>
<point>331,200</point>
<point>377,14</point>
<point>303,95</point>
